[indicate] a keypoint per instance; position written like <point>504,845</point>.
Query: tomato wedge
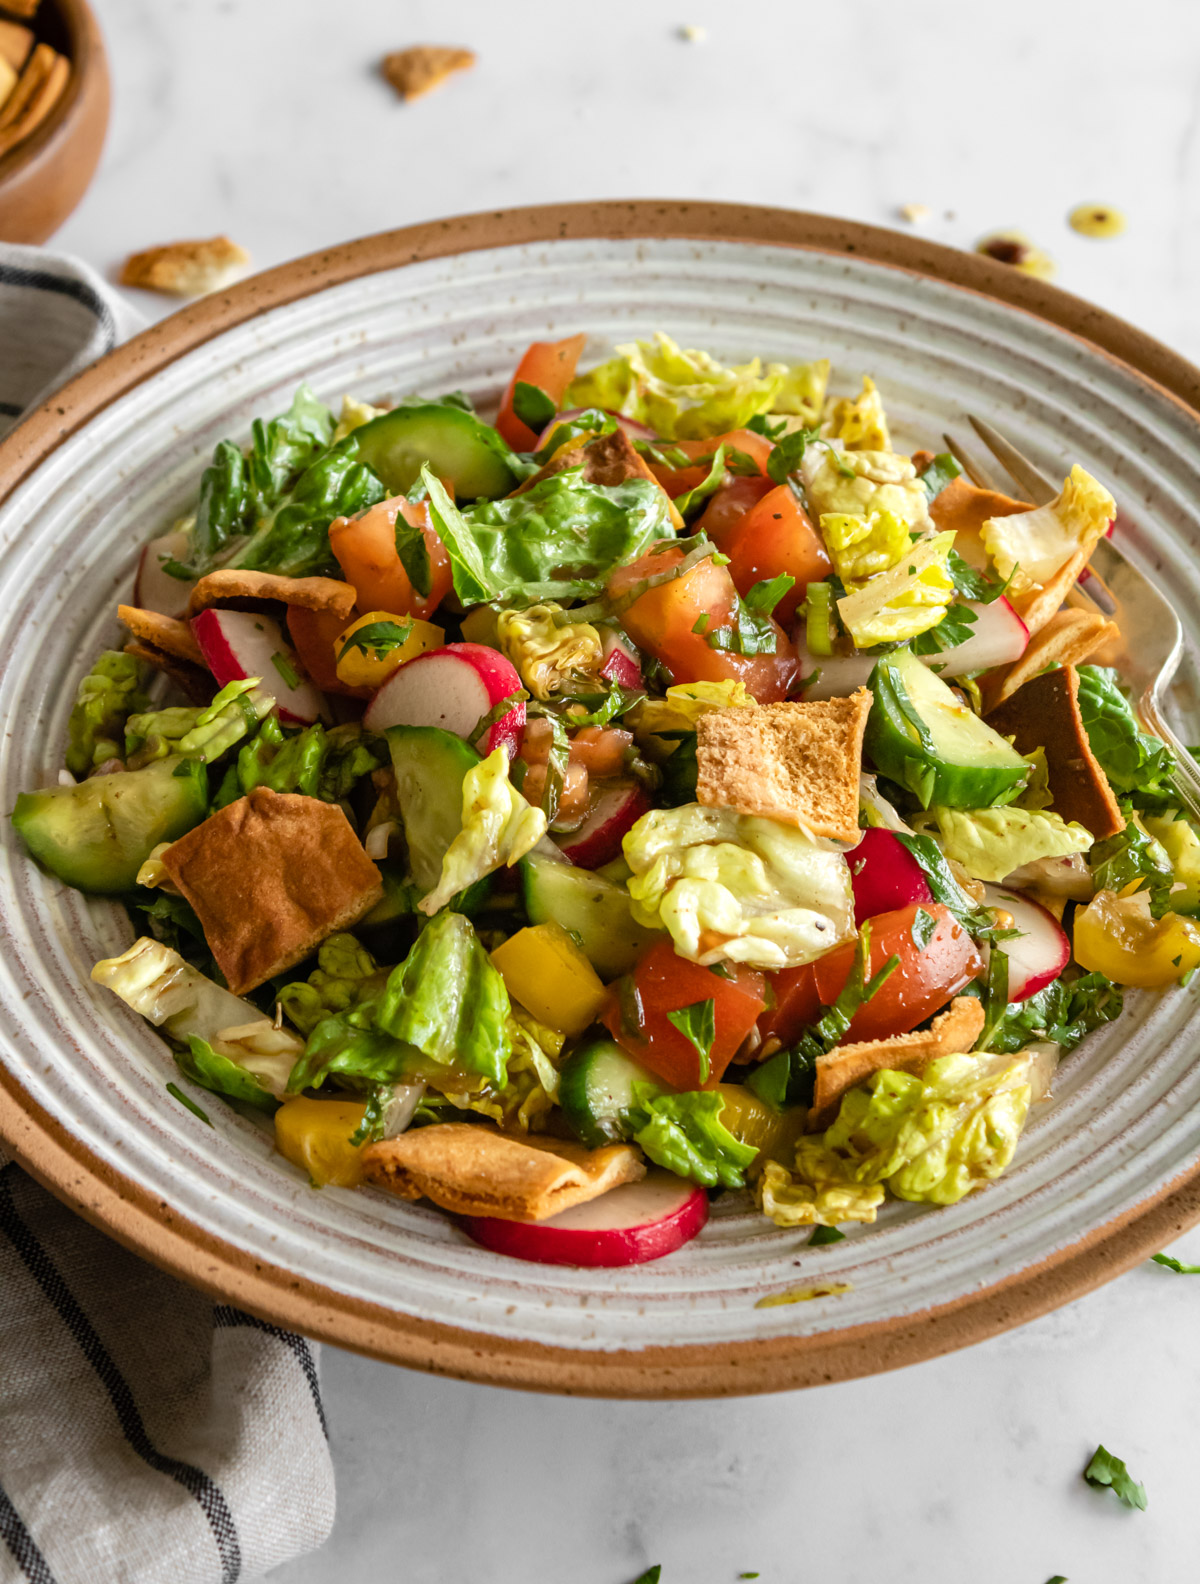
<point>663,982</point>
<point>927,977</point>
<point>764,533</point>
<point>550,365</point>
<point>365,548</point>
<point>314,634</point>
<point>676,480</point>
<point>673,621</point>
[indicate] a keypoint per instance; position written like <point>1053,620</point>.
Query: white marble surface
<point>264,119</point>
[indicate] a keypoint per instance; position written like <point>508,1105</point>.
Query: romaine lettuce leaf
<point>857,483</point>
<point>684,1133</point>
<point>105,698</point>
<point>766,891</point>
<point>1135,763</point>
<point>221,1075</point>
<point>498,827</point>
<point>860,547</point>
<point>550,655</point>
<point>558,540</point>
<point>346,975</point>
<point>531,1090</point>
<point>1030,547</point>
<point>991,842</point>
<point>859,422</point>
<point>909,599</point>
<point>683,705</point>
<point>791,1202</point>
<point>689,395</point>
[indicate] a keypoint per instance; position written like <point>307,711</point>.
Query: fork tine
<point>1034,482</point>
<point>970,464</point>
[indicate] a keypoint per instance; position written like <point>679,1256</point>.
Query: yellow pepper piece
<point>1115,935</point>
<point>315,1135</point>
<point>370,668</point>
<point>548,974</point>
<point>752,1121</point>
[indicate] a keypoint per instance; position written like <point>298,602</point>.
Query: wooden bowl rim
<point>152,1229</point>
<point>84,33</point>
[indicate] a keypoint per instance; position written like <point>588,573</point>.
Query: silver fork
<point>1151,643</point>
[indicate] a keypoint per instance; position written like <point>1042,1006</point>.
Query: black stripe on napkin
<point>22,1544</point>
<point>196,1482</point>
<point>10,410</point>
<point>226,1315</point>
<point>79,291</point>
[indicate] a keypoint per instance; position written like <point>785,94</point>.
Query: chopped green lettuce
<point>905,601</point>
<point>859,422</point>
<point>767,891</point>
<point>498,827</point>
<point>558,540</point>
<point>1177,837</point>
<point>220,1075</point>
<point>861,546</point>
<point>791,1202</point>
<point>105,698</point>
<point>1136,764</point>
<point>1030,547</point>
<point>346,975</point>
<point>684,1133</point>
<point>857,483</point>
<point>684,395</point>
<point>530,1092</point>
<point>1064,1012</point>
<point>198,733</point>
<point>320,762</point>
<point>991,842</point>
<point>1135,855</point>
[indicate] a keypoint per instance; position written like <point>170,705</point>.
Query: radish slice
<point>884,875</point>
<point>618,807</point>
<point>621,664</point>
<point>239,644</point>
<point>838,675</point>
<point>635,430</point>
<point>998,637</point>
<point>629,1225</point>
<point>156,590</point>
<point>453,687</point>
<point>1039,953</point>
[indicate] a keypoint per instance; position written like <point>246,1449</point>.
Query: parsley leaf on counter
<point>1108,1472</point>
<point>651,1575</point>
<point>1178,1266</point>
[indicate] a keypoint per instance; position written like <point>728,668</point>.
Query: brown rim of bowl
<point>149,1226</point>
<point>81,28</point>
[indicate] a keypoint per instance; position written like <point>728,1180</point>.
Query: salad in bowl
<point>667,789</point>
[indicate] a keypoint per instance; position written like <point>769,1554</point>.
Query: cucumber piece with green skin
<point>594,910</point>
<point>595,1091</point>
<point>455,443</point>
<point>430,765</point>
<point>98,834</point>
<point>919,734</point>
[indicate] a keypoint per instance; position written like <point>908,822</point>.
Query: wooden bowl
<point>44,176</point>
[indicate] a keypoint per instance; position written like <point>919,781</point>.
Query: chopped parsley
<point>698,1025</point>
<point>1106,1472</point>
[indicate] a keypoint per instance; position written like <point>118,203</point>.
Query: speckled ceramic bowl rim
<point>152,1228</point>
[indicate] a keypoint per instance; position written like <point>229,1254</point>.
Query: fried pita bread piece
<point>1044,713</point>
<point>196,682</point>
<point>36,92</point>
<point>798,763</point>
<point>1068,638</point>
<point>16,42</point>
<point>186,269</point>
<point>475,1170</point>
<point>310,593</point>
<point>962,508</point>
<point>164,632</point>
<point>953,1031</point>
<point>607,460</point>
<point>416,71</point>
<point>269,877</point>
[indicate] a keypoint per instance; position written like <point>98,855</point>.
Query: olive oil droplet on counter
<point>1096,220</point>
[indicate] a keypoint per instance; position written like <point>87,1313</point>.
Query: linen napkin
<point>147,1435</point>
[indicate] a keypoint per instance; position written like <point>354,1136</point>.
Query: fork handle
<point>1186,779</point>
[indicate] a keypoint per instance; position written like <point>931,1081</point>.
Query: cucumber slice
<point>921,736</point>
<point>456,444</point>
<point>595,911</point>
<point>97,835</point>
<point>430,765</point>
<point>595,1091</point>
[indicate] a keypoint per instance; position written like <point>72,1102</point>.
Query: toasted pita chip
<point>962,508</point>
<point>1068,638</point>
<point>797,763</point>
<point>269,877</point>
<point>37,91</point>
<point>194,680</point>
<point>1044,713</point>
<point>478,1171</point>
<point>953,1031</point>
<point>164,632</point>
<point>16,43</point>
<point>310,593</point>
<point>416,71</point>
<point>1038,603</point>
<point>22,8</point>
<point>606,460</point>
<point>186,269</point>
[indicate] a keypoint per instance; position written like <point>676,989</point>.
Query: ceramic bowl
<point>1106,1172</point>
<point>44,177</point>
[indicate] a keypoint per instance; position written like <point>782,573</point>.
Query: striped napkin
<point>147,1435</point>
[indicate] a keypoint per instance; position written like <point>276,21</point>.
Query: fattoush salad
<point>666,789</point>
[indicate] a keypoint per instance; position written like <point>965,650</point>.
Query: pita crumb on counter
<point>309,593</point>
<point>475,1170</point>
<point>1044,712</point>
<point>186,269</point>
<point>269,877</point>
<point>423,67</point>
<point>797,763</point>
<point>953,1031</point>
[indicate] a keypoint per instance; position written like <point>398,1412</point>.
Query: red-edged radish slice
<point>629,1225</point>
<point>635,430</point>
<point>1039,953</point>
<point>621,664</point>
<point>998,637</point>
<point>453,687</point>
<point>618,807</point>
<point>156,590</point>
<point>239,644</point>
<point>884,875</point>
